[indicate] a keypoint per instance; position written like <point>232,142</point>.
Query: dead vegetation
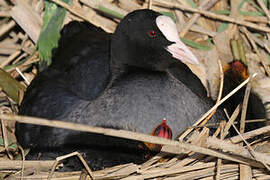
<point>218,30</point>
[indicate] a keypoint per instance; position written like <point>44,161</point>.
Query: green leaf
<point>110,12</point>
<point>50,33</point>
<point>192,3</point>
<point>250,13</point>
<point>222,27</point>
<point>195,45</point>
<point>209,40</point>
<point>11,146</point>
<point>224,12</point>
<point>258,35</point>
<point>8,67</point>
<point>169,14</point>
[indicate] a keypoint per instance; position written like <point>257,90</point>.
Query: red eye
<point>152,33</point>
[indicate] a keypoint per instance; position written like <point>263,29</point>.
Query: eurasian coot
<point>235,73</point>
<point>118,81</point>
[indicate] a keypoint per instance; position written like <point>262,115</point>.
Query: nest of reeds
<point>218,31</point>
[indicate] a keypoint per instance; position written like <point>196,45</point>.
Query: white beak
<point>178,49</point>
<point>181,52</point>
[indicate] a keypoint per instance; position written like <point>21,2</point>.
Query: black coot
<point>235,73</point>
<point>118,81</point>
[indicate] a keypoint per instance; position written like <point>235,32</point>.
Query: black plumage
<point>235,73</point>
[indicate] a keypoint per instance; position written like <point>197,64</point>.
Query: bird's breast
<point>139,102</point>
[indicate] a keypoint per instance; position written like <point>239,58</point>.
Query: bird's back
<point>79,70</point>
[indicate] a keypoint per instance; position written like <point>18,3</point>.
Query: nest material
<point>202,156</point>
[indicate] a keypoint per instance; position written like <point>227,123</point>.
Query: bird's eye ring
<point>152,33</point>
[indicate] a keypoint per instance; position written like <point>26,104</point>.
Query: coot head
<point>235,73</point>
<point>147,39</point>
